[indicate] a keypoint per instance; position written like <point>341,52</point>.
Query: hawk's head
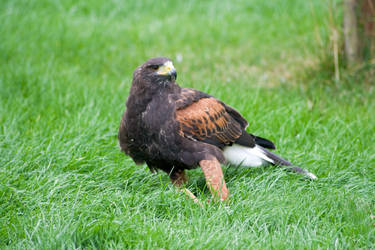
<point>159,70</point>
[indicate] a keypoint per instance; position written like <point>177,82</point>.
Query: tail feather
<point>278,161</point>
<point>257,156</point>
<point>264,142</point>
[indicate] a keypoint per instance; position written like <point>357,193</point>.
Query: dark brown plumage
<point>173,129</point>
<point>149,130</point>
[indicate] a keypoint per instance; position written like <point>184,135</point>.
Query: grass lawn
<point>65,72</point>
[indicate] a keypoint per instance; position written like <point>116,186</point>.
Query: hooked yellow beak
<point>166,69</point>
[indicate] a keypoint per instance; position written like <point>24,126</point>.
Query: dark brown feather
<point>172,128</point>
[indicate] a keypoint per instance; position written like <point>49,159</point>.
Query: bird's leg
<point>179,179</point>
<point>214,178</point>
<point>191,195</point>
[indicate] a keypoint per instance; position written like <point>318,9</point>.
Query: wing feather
<point>207,120</point>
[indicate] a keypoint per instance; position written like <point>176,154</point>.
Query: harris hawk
<point>174,129</point>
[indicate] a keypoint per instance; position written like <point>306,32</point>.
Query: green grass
<point>65,72</point>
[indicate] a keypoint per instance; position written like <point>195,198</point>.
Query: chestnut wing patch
<point>207,120</point>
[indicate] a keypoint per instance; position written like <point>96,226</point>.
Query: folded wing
<point>208,120</point>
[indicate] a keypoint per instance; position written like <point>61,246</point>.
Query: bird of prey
<point>175,129</point>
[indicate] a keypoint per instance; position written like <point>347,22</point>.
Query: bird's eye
<point>154,67</point>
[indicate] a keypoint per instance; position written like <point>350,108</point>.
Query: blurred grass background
<point>65,71</point>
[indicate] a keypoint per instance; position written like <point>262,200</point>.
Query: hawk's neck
<point>140,98</point>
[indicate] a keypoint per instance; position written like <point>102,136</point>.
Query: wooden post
<point>351,32</point>
<point>367,29</point>
<point>359,31</point>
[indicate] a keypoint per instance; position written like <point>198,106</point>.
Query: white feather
<point>252,157</point>
<point>311,176</point>
<point>245,156</point>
